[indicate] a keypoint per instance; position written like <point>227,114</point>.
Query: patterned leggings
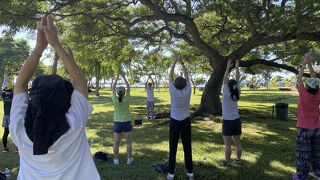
<point>308,152</point>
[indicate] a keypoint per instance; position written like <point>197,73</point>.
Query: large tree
<point>272,33</point>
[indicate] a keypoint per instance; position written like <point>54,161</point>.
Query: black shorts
<point>120,127</point>
<point>231,127</point>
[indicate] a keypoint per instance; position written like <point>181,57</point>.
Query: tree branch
<point>248,17</point>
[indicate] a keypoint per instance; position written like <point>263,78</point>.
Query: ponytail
<point>233,88</point>
<point>120,98</point>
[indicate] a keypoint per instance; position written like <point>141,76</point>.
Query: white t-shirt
<point>150,94</point>
<point>68,158</point>
<point>180,102</point>
<point>229,107</point>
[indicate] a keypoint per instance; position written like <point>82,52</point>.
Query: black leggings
<point>5,137</point>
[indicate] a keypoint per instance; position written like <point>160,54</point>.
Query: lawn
<point>269,144</point>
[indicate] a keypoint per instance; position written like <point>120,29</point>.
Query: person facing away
<point>48,125</point>
<point>231,124</point>
<point>150,98</point>
<point>308,125</point>
<point>180,123</point>
<point>7,96</point>
<point>122,119</point>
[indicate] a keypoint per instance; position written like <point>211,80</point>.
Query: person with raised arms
<point>122,118</point>
<point>308,124</point>
<point>231,124</point>
<point>180,122</point>
<point>48,125</point>
<point>150,98</point>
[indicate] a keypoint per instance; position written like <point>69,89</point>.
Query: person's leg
<point>303,152</point>
<point>127,136</point>
<point>186,141</point>
<point>148,110</point>
<point>174,134</point>
<point>227,147</point>
<point>152,110</point>
<point>237,143</point>
<point>5,137</point>
<point>116,145</point>
<point>316,153</point>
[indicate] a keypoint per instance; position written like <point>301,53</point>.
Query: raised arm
<point>152,81</point>
<point>185,71</point>
<point>79,80</point>
<point>307,60</point>
<point>126,81</point>
<point>146,84</point>
<point>115,84</point>
<point>172,69</point>
<point>237,70</point>
<point>226,74</point>
<point>55,63</point>
<point>29,67</point>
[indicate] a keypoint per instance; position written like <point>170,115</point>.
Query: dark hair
<point>313,91</point>
<point>120,97</point>
<point>149,84</point>
<point>233,88</point>
<point>180,83</point>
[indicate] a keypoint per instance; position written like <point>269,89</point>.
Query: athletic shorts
<point>6,121</point>
<point>231,127</point>
<point>120,127</point>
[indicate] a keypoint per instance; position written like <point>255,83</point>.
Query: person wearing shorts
<point>231,124</point>
<point>122,119</point>
<point>7,96</point>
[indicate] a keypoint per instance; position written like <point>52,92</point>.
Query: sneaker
<point>5,149</point>
<point>130,160</point>
<point>190,176</point>
<point>116,161</point>
<point>225,164</point>
<point>296,177</point>
<point>313,174</point>
<point>237,162</point>
<point>170,176</point>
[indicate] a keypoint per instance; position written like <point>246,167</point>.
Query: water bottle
<point>204,160</point>
<point>91,143</point>
<point>7,172</point>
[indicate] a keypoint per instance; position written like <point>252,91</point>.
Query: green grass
<point>269,145</point>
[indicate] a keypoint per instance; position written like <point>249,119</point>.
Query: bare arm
<point>307,60</point>
<point>115,84</point>
<point>146,85</point>
<point>79,80</point>
<point>237,70</point>
<point>126,81</point>
<point>299,78</point>
<point>226,74</point>
<point>152,82</point>
<point>185,71</point>
<point>55,63</point>
<point>29,67</point>
<point>172,70</point>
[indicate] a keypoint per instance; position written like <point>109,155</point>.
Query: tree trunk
<point>98,77</point>
<point>194,86</point>
<point>111,83</point>
<point>97,86</point>
<point>210,100</point>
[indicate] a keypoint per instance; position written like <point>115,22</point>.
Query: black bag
<point>2,176</point>
<point>138,122</point>
<point>161,167</point>
<point>100,156</point>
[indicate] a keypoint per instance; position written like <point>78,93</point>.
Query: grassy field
<point>269,144</point>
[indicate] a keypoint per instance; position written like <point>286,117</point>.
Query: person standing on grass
<point>49,126</point>
<point>231,124</point>
<point>122,118</point>
<point>150,98</point>
<point>180,123</point>
<point>7,96</point>
<point>308,125</point>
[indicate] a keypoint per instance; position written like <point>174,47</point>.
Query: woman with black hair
<point>308,125</point>
<point>231,125</point>
<point>48,125</point>
<point>122,118</point>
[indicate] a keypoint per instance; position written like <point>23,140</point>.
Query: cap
<point>313,83</point>
<point>121,90</point>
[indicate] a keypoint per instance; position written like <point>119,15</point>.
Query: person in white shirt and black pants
<point>231,125</point>
<point>180,124</point>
